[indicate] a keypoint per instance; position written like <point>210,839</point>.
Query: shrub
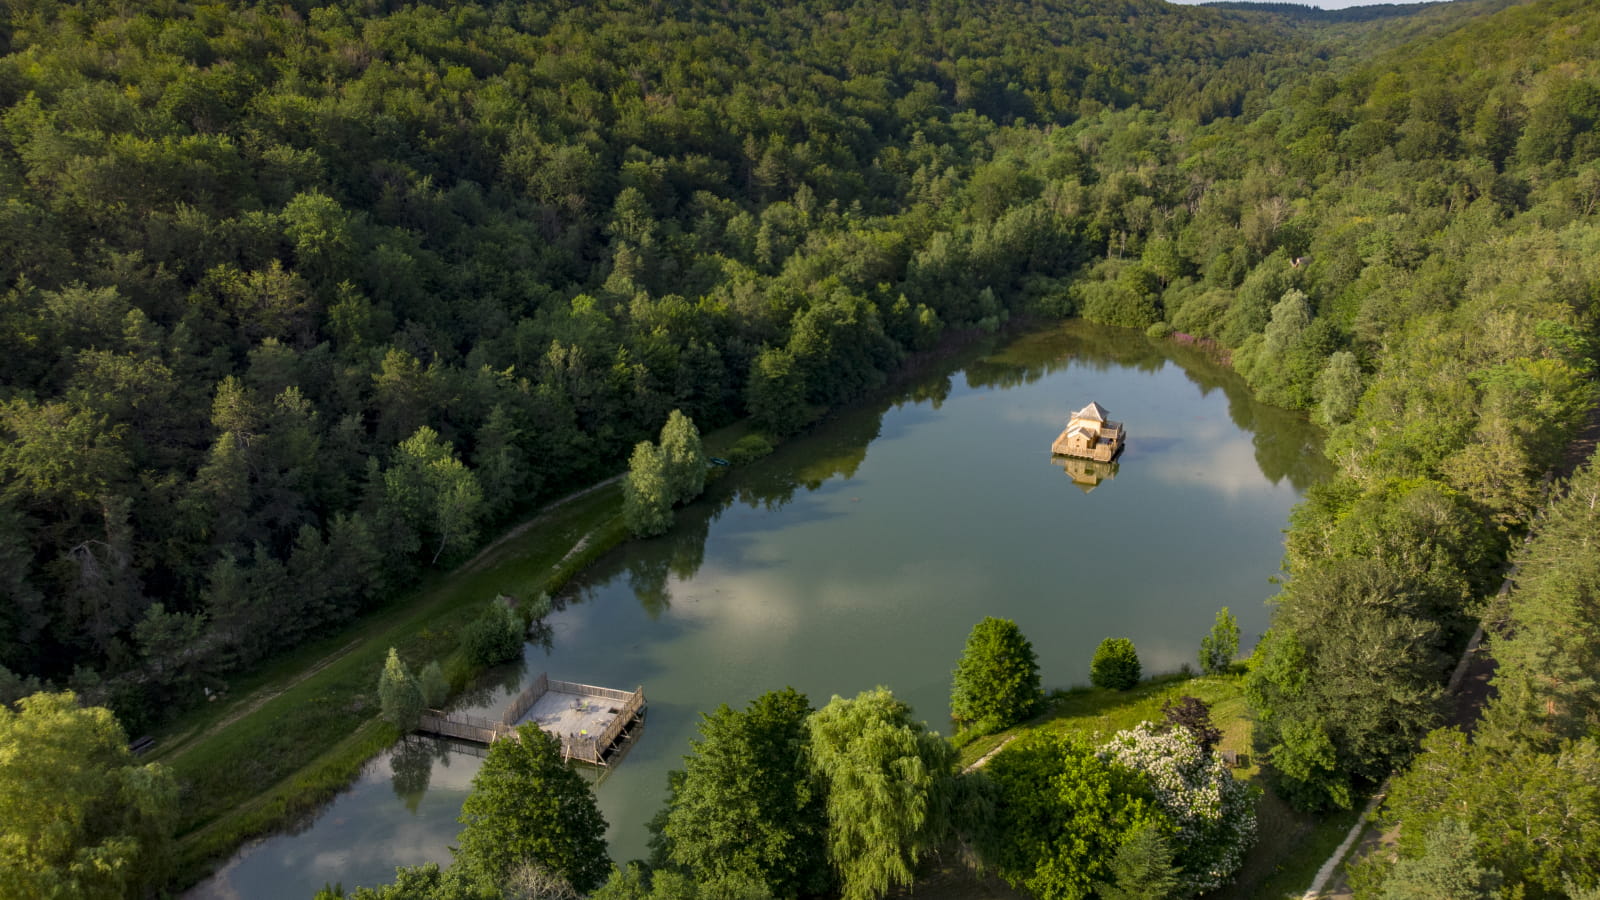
<point>492,638</point>
<point>1214,814</point>
<point>1194,716</point>
<point>1115,665</point>
<point>750,448</point>
<point>435,689</point>
<point>1218,648</point>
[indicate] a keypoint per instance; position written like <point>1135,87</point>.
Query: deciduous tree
<point>747,805</point>
<point>997,679</point>
<point>647,492</point>
<point>889,784</point>
<point>528,806</point>
<point>434,492</point>
<point>1062,812</point>
<point>684,458</point>
<point>81,818</point>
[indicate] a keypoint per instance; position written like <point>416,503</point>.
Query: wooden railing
<point>463,726</point>
<point>572,687</point>
<point>629,710</point>
<point>577,746</point>
<point>484,730</point>
<point>521,703</point>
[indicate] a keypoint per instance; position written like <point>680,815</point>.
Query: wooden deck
<point>591,722</point>
<point>1105,448</point>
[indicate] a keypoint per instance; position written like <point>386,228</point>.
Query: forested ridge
<point>299,302</point>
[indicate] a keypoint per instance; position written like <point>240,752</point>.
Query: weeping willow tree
<point>891,786</point>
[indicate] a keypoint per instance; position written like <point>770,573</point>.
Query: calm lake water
<point>862,554</point>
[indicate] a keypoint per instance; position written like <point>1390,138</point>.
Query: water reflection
<point>862,554</point>
<point>496,683</point>
<point>1087,474</point>
<point>411,767</point>
<point>1282,445</point>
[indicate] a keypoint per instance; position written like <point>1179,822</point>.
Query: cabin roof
<point>1094,412</point>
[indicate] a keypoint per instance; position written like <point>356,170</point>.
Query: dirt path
<point>482,558</point>
<point>984,759</point>
<point>258,699</point>
<point>1470,690</point>
<point>265,694</point>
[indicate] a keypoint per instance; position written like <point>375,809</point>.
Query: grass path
<point>1290,845</point>
<point>256,699</point>
<point>288,736</point>
<point>984,759</point>
<point>478,562</point>
<point>293,734</point>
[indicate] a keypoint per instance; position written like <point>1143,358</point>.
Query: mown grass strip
<point>1290,845</point>
<point>1096,713</point>
<point>296,731</point>
<point>1295,845</point>
<point>292,740</point>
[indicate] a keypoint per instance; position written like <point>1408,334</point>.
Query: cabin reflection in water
<point>1086,473</point>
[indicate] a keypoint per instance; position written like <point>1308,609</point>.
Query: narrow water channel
<point>862,554</point>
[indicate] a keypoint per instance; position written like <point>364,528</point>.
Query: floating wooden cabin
<point>1090,435</point>
<point>592,723</point>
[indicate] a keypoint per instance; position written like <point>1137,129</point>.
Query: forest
<point>303,301</point>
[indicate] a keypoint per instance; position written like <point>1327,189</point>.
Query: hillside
<point>301,302</point>
<point>254,249</point>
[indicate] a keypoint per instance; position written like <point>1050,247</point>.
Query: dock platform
<point>592,723</point>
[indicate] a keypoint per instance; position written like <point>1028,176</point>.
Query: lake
<point>862,554</point>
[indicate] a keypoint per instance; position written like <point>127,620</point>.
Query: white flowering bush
<point>1214,814</point>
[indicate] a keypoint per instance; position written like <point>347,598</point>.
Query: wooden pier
<point>591,722</point>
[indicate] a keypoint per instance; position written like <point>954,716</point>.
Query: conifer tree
<point>399,696</point>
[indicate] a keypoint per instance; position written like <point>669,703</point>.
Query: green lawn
<point>1290,846</point>
<point>1096,713</point>
<point>291,734</point>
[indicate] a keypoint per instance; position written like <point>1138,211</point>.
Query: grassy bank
<point>1290,845</point>
<point>288,736</point>
<point>292,734</point>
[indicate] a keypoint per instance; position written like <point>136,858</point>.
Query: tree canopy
<point>747,806</point>
<point>297,303</point>
<point>997,679</point>
<point>890,790</point>
<point>528,806</point>
<point>82,819</point>
<point>1062,814</point>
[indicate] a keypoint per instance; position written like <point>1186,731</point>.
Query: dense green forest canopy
<point>1310,12</point>
<point>299,301</point>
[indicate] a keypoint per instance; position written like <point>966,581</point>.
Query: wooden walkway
<point>591,722</point>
